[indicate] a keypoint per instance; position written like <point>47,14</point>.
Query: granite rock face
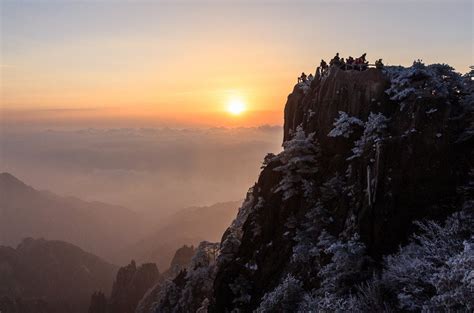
<point>130,286</point>
<point>365,154</point>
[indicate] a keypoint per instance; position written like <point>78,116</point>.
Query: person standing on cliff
<point>379,64</point>
<point>363,62</point>
<point>342,64</point>
<point>349,63</point>
<point>335,61</point>
<point>303,77</point>
<point>323,66</point>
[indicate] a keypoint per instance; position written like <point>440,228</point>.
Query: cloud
<point>145,169</point>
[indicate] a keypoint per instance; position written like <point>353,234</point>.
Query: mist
<point>157,170</point>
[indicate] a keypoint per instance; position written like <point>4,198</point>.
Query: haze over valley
<point>159,170</point>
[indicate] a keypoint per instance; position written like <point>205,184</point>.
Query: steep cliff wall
<point>129,287</point>
<point>365,154</point>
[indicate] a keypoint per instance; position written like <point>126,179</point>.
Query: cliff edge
<point>368,207</point>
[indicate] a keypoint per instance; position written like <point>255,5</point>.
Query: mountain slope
<point>97,227</point>
<point>58,273</point>
<point>366,153</point>
<point>187,227</point>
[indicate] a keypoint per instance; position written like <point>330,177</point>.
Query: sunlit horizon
<point>172,64</point>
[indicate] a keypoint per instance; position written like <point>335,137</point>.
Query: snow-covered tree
<point>347,258</point>
<point>298,164</point>
<point>338,277</point>
<point>284,298</point>
<point>374,130</point>
<point>188,291</point>
<point>305,248</point>
<point>435,272</point>
<point>438,80</point>
<point>315,220</point>
<point>344,125</point>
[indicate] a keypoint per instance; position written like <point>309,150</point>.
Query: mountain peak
<point>366,153</point>
<point>8,179</point>
<point>9,184</point>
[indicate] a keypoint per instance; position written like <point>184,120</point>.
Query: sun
<point>235,107</point>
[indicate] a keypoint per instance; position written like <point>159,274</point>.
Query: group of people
<point>303,78</point>
<point>357,64</point>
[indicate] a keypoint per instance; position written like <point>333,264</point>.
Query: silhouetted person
<point>324,67</point>
<point>342,64</point>
<point>318,72</point>
<point>303,77</point>
<point>349,63</point>
<point>360,63</point>
<point>336,60</point>
<point>363,62</point>
<point>378,64</point>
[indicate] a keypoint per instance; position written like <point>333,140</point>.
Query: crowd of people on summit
<point>356,64</point>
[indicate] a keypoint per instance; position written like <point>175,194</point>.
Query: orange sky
<point>151,64</point>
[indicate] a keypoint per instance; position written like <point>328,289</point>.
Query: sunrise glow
<point>236,107</point>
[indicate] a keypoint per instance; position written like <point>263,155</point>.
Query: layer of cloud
<point>144,169</point>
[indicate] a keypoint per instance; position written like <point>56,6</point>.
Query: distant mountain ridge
<point>186,227</point>
<point>97,227</point>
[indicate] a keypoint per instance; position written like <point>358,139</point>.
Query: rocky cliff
<point>180,262</point>
<point>365,155</point>
<point>131,284</point>
<point>129,287</point>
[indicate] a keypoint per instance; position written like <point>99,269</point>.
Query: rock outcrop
<point>98,303</point>
<point>366,154</point>
<point>181,260</point>
<point>129,287</point>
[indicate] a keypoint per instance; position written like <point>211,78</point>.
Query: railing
<point>354,66</point>
<point>345,67</point>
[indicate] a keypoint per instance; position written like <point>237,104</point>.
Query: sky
<point>179,63</point>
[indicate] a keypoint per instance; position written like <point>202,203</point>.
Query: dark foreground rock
<point>330,224</point>
<point>50,276</point>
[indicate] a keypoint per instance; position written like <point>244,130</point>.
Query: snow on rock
<point>233,235</point>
